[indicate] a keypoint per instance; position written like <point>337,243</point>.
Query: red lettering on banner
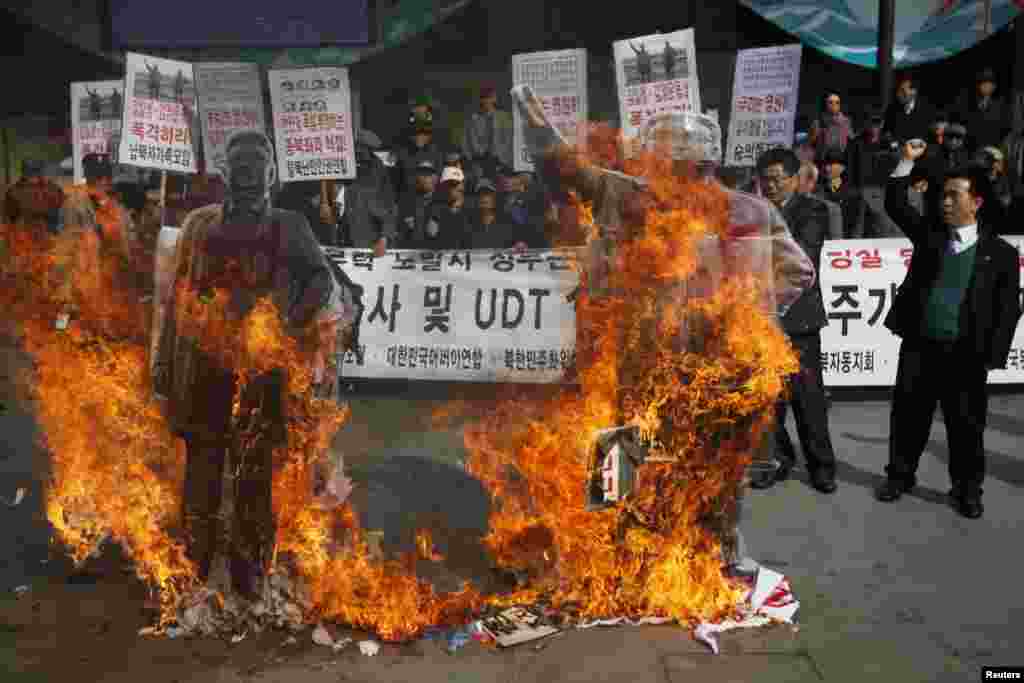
<point>840,259</point>
<point>906,254</point>
<point>869,259</point>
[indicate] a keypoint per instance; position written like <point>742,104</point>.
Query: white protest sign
<point>230,99</point>
<point>477,316</point>
<point>159,114</point>
<point>764,99</point>
<point>559,80</point>
<point>859,279</point>
<point>96,109</point>
<point>313,124</point>
<point>655,75</point>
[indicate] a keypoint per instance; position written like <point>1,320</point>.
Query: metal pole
<point>886,38</point>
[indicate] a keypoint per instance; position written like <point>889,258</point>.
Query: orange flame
<point>708,402</point>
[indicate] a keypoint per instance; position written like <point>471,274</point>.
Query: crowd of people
<point>944,186</point>
<point>938,179</point>
<point>852,167</point>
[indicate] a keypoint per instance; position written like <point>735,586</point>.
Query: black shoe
<point>826,483</point>
<point>782,474</point>
<point>762,482</point>
<point>968,506</point>
<point>892,489</point>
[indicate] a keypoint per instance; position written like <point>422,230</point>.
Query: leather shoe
<point>782,474</point>
<point>823,482</point>
<point>892,490</point>
<point>968,506</point>
<point>762,482</point>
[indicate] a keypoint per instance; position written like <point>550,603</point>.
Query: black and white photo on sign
<point>165,85</point>
<point>655,60</point>
<point>100,104</point>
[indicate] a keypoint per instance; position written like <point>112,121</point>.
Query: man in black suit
<point>956,311</point>
<point>908,116</point>
<point>808,220</point>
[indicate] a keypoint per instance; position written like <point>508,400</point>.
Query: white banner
<point>859,279</point>
<point>313,124</point>
<point>96,109</point>
<point>764,99</point>
<point>655,75</point>
<point>230,99</point>
<point>493,316</point>
<point>159,114</point>
<point>559,80</point>
<point>475,316</point>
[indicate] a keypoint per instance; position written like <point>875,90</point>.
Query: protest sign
<point>859,279</point>
<point>230,99</point>
<point>313,124</point>
<point>96,109</point>
<point>163,281</point>
<point>559,80</point>
<point>764,99</point>
<point>656,75</point>
<point>478,316</point>
<point>159,114</point>
<point>492,316</point>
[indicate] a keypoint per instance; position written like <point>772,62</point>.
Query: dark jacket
<point>849,203</point>
<point>984,128</point>
<point>503,235</point>
<point>807,218</point>
<point>370,211</point>
<point>414,212</point>
<point>991,308</point>
<point>408,156</point>
<point>903,126</point>
<point>870,163</point>
<point>442,229</point>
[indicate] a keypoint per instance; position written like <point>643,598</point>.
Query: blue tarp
<point>926,30</point>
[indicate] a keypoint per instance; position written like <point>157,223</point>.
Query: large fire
<point>117,471</point>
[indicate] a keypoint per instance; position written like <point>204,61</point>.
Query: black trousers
<point>810,410</point>
<point>947,374</point>
<point>248,449</point>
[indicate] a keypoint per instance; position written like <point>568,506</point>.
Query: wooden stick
<point>163,198</point>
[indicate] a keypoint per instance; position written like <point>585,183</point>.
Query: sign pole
<point>886,38</point>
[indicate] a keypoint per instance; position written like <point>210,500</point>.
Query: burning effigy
<point>614,499</point>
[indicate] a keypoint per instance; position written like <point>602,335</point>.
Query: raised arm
<point>897,204</point>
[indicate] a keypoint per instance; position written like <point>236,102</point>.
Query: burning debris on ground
<point>649,546</point>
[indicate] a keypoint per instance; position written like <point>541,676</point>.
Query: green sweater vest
<point>942,313</point>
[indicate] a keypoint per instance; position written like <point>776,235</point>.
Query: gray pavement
<point>907,591</point>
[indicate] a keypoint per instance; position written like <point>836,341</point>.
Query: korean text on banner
<point>159,114</point>
<point>230,99</point>
<point>475,316</point>
<point>859,279</point>
<point>764,99</point>
<point>313,124</point>
<point>96,109</point>
<point>655,75</point>
<point>559,79</point>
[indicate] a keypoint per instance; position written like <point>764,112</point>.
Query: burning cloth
<point>225,259</point>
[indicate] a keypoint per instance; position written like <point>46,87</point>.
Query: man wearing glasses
<point>808,220</point>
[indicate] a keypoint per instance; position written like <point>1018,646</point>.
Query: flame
<point>117,471</point>
<point>709,405</point>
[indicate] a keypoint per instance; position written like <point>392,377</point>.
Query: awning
<point>926,30</point>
